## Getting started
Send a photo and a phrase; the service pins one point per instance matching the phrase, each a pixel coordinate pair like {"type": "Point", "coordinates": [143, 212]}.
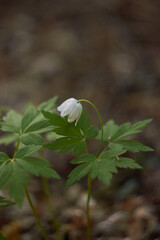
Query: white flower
{"type": "Point", "coordinates": [71, 108]}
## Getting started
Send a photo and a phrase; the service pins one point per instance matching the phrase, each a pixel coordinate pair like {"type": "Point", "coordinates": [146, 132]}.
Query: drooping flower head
{"type": "Point", "coordinates": [72, 108]}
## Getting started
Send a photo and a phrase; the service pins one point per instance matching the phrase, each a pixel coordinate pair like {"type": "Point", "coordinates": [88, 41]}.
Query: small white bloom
{"type": "Point", "coordinates": [71, 108]}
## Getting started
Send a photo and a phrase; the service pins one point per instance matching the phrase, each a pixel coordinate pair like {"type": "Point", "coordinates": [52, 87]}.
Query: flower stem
{"type": "Point", "coordinates": [90, 172]}
{"type": "Point", "coordinates": [35, 215]}
{"type": "Point", "coordinates": [17, 147]}
{"type": "Point", "coordinates": [100, 119]}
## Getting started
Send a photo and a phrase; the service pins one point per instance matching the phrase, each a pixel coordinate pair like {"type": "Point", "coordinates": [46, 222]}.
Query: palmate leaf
{"type": "Point", "coordinates": [101, 168]}
{"type": "Point", "coordinates": [27, 150]}
{"type": "Point", "coordinates": [17, 180]}
{"type": "Point", "coordinates": [79, 148]}
{"type": "Point", "coordinates": [5, 203]}
{"type": "Point", "coordinates": [80, 171]}
{"type": "Point", "coordinates": [37, 166]}
{"type": "Point", "coordinates": [12, 122]}
{"type": "Point", "coordinates": [127, 129]}
{"type": "Point", "coordinates": [3, 157]}
{"type": "Point", "coordinates": [91, 132]}
{"type": "Point", "coordinates": [133, 146]}
{"type": "Point", "coordinates": [14, 173]}
{"type": "Point", "coordinates": [31, 139]}
{"type": "Point", "coordinates": [5, 173]}
{"type": "Point", "coordinates": [28, 116]}
{"type": "Point", "coordinates": [38, 127]}
{"type": "Point", "coordinates": [64, 128]}
{"type": "Point", "coordinates": [15, 177]}
{"type": "Point", "coordinates": [109, 129]}
{"type": "Point", "coordinates": [123, 162]}
{"type": "Point", "coordinates": [114, 132]}
{"type": "Point", "coordinates": [54, 119]}
{"type": "Point", "coordinates": [66, 144]}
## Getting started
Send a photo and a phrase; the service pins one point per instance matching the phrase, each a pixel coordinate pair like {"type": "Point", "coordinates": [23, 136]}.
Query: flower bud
{"type": "Point", "coordinates": [72, 108]}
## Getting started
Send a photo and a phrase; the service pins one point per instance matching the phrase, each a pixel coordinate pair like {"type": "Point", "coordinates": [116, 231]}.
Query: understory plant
{"type": "Point", "coordinates": [71, 130]}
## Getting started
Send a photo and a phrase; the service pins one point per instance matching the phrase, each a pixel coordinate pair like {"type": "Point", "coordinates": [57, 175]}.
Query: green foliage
{"type": "Point", "coordinates": [124, 162]}
{"type": "Point", "coordinates": [71, 136]}
{"type": "Point", "coordinates": [113, 132]}
{"type": "Point", "coordinates": [28, 117]}
{"type": "Point", "coordinates": [109, 129]}
{"type": "Point", "coordinates": [91, 132]}
{"type": "Point", "coordinates": [14, 172]}
{"type": "Point", "coordinates": [26, 130]}
{"type": "Point", "coordinates": [31, 139]}
{"type": "Point", "coordinates": [3, 157]}
{"type": "Point", "coordinates": [8, 138]}
{"type": "Point", "coordinates": [131, 146]}
{"type": "Point", "coordinates": [27, 150]}
{"type": "Point", "coordinates": [80, 171]}
{"type": "Point", "coordinates": [17, 180]}
{"type": "Point", "coordinates": [11, 122]}
{"type": "Point", "coordinates": [65, 144]}
{"type": "Point", "coordinates": [37, 166]}
{"type": "Point", "coordinates": [101, 167]}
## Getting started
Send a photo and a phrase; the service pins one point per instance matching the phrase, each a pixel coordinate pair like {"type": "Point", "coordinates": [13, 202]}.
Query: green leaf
{"type": "Point", "coordinates": [28, 117]}
{"type": "Point", "coordinates": [105, 177]}
{"type": "Point", "coordinates": [4, 157]}
{"type": "Point", "coordinates": [115, 146]}
{"type": "Point", "coordinates": [38, 127]}
{"type": "Point", "coordinates": [8, 138]}
{"type": "Point", "coordinates": [37, 166]}
{"type": "Point", "coordinates": [31, 139]}
{"type": "Point", "coordinates": [63, 144]}
{"type": "Point", "coordinates": [79, 148]}
{"type": "Point", "coordinates": [122, 131]}
{"type": "Point", "coordinates": [49, 173]}
{"type": "Point", "coordinates": [111, 153]}
{"type": "Point", "coordinates": [91, 132]}
{"type": "Point", "coordinates": [79, 172]}
{"type": "Point", "coordinates": [48, 105]}
{"type": "Point", "coordinates": [141, 124]}
{"type": "Point", "coordinates": [54, 119]}
{"type": "Point", "coordinates": [5, 203]}
{"type": "Point", "coordinates": [123, 162]}
{"type": "Point", "coordinates": [18, 179]}
{"type": "Point", "coordinates": [70, 130]}
{"type": "Point", "coordinates": [109, 130]}
{"type": "Point", "coordinates": [102, 168]}
{"type": "Point", "coordinates": [84, 121]}
{"type": "Point", "coordinates": [5, 173]}
{"type": "Point", "coordinates": [12, 122]}
{"type": "Point", "coordinates": [84, 158]}
{"type": "Point", "coordinates": [127, 129]}
{"type": "Point", "coordinates": [134, 146]}
{"type": "Point", "coordinates": [26, 151]}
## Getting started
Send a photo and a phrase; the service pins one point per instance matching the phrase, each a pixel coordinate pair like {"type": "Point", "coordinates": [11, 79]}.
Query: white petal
{"type": "Point", "coordinates": [63, 105]}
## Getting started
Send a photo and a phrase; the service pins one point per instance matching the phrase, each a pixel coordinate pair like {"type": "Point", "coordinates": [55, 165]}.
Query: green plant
{"type": "Point", "coordinates": [72, 131]}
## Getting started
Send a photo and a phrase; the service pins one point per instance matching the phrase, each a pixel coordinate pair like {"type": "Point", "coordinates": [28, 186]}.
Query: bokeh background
{"type": "Point", "coordinates": [106, 51]}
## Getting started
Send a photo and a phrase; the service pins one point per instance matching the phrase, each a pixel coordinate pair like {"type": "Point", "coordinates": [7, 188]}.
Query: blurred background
{"type": "Point", "coordinates": [106, 51]}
